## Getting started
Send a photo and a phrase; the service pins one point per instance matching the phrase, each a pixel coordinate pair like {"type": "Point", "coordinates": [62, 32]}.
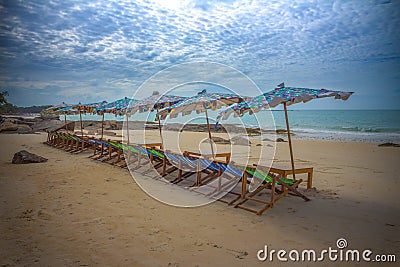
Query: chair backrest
{"type": "Point", "coordinates": [265, 176]}
{"type": "Point", "coordinates": [178, 158]}
{"type": "Point", "coordinates": [156, 153]}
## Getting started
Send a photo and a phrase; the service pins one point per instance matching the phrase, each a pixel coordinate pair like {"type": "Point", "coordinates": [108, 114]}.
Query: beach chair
{"type": "Point", "coordinates": [79, 144]}
{"type": "Point", "coordinates": [106, 150]}
{"type": "Point", "coordinates": [49, 140]}
{"type": "Point", "coordinates": [61, 141]}
{"type": "Point", "coordinates": [184, 166]}
{"type": "Point", "coordinates": [71, 143]}
{"type": "Point", "coordinates": [141, 156]}
{"type": "Point", "coordinates": [55, 139]}
{"type": "Point", "coordinates": [98, 146]}
{"type": "Point", "coordinates": [222, 178]}
{"type": "Point", "coordinates": [270, 182]}
{"type": "Point", "coordinates": [113, 150]}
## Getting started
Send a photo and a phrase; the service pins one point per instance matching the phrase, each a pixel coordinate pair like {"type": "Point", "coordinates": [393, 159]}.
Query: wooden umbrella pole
{"type": "Point", "coordinates": [289, 140]}
{"type": "Point", "coordinates": [102, 126]}
{"type": "Point", "coordinates": [209, 134]}
{"type": "Point", "coordinates": [127, 128]}
{"type": "Point", "coordinates": [80, 117]}
{"type": "Point", "coordinates": [160, 129]}
{"type": "Point", "coordinates": [65, 121]}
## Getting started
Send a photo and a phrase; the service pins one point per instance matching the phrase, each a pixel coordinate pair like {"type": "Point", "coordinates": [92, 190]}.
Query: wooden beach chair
{"type": "Point", "coordinates": [106, 150]}
{"type": "Point", "coordinates": [98, 146]}
{"type": "Point", "coordinates": [277, 186]}
{"type": "Point", "coordinates": [139, 157]}
{"type": "Point", "coordinates": [183, 167]}
{"type": "Point", "coordinates": [80, 144]}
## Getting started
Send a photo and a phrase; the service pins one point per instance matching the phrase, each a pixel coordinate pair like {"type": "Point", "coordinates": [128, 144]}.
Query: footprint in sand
{"type": "Point", "coordinates": [161, 247]}
{"type": "Point", "coordinates": [27, 214]}
{"type": "Point", "coordinates": [43, 215]}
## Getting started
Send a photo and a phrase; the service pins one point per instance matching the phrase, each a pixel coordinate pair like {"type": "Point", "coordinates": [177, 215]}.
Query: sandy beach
{"type": "Point", "coordinates": [74, 211]}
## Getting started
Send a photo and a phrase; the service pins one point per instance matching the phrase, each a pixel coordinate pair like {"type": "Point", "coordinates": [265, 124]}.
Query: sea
{"type": "Point", "coordinates": [336, 125]}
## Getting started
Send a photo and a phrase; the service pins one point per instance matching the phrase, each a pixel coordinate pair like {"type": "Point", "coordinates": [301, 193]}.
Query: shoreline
{"type": "Point", "coordinates": [234, 128]}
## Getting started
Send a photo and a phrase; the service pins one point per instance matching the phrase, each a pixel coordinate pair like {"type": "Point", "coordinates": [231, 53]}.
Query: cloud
{"type": "Point", "coordinates": [116, 45]}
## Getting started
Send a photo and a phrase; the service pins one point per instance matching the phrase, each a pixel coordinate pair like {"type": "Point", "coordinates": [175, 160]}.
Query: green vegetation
{"type": "Point", "coordinates": [7, 108]}
{"type": "Point", "coordinates": [3, 99]}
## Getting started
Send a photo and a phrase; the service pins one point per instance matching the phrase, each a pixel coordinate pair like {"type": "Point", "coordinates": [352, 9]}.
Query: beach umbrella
{"type": "Point", "coordinates": [155, 102]}
{"type": "Point", "coordinates": [200, 103]}
{"type": "Point", "coordinates": [92, 109]}
{"type": "Point", "coordinates": [59, 109]}
{"type": "Point", "coordinates": [118, 108]}
{"type": "Point", "coordinates": [282, 95]}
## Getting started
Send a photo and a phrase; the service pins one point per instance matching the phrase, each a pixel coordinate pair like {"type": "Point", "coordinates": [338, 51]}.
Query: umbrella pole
{"type": "Point", "coordinates": [209, 134]}
{"type": "Point", "coordinates": [80, 117]}
{"type": "Point", "coordinates": [289, 140]}
{"type": "Point", "coordinates": [127, 128]}
{"type": "Point", "coordinates": [102, 126]}
{"type": "Point", "coordinates": [160, 129]}
{"type": "Point", "coordinates": [65, 121]}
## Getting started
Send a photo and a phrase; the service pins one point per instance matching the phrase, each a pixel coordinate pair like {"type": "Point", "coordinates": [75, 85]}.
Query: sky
{"type": "Point", "coordinates": [88, 51]}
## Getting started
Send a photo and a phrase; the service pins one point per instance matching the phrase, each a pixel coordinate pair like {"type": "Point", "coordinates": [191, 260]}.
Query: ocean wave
{"type": "Point", "coordinates": [367, 130]}
{"type": "Point", "coordinates": [348, 130]}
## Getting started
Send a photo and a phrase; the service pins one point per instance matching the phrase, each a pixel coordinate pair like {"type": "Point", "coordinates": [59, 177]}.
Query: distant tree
{"type": "Point", "coordinates": [3, 99]}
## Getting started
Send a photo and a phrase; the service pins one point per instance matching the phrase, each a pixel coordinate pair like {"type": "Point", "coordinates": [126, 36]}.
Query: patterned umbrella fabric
{"type": "Point", "coordinates": [288, 95]}
{"type": "Point", "coordinates": [117, 107]}
{"type": "Point", "coordinates": [91, 108]}
{"type": "Point", "coordinates": [200, 103]}
{"type": "Point", "coordinates": [155, 102]}
{"type": "Point", "coordinates": [59, 109]}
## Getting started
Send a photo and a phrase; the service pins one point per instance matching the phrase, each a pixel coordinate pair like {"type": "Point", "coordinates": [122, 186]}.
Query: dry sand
{"type": "Point", "coordinates": [75, 211]}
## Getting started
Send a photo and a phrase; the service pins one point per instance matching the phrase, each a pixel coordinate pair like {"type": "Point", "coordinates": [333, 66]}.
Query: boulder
{"type": "Point", "coordinates": [268, 139]}
{"type": "Point", "coordinates": [24, 157]}
{"type": "Point", "coordinates": [267, 145]}
{"type": "Point", "coordinates": [280, 140]}
{"type": "Point", "coordinates": [389, 145]}
{"type": "Point", "coordinates": [253, 131]}
{"type": "Point", "coordinates": [240, 140]}
{"type": "Point", "coordinates": [50, 125]}
{"type": "Point", "coordinates": [24, 129]}
{"type": "Point", "coordinates": [219, 140]}
{"type": "Point", "coordinates": [8, 126]}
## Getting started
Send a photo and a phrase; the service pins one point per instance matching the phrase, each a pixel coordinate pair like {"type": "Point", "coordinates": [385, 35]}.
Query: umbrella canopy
{"type": "Point", "coordinates": [91, 107]}
{"type": "Point", "coordinates": [286, 96]}
{"type": "Point", "coordinates": [280, 95]}
{"type": "Point", "coordinates": [117, 107]}
{"type": "Point", "coordinates": [155, 102]}
{"type": "Point", "coordinates": [200, 103]}
{"type": "Point", "coordinates": [59, 109]}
